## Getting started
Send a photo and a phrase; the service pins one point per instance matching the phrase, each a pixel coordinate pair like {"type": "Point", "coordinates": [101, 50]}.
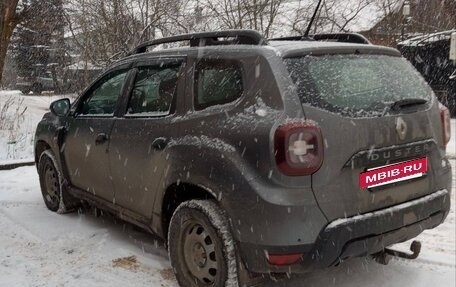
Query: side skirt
{"type": "Point", "coordinates": [120, 212]}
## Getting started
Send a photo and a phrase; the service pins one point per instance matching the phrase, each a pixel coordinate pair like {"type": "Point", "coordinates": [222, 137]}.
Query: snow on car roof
{"type": "Point", "coordinates": [289, 48]}
{"type": "Point", "coordinates": [428, 38]}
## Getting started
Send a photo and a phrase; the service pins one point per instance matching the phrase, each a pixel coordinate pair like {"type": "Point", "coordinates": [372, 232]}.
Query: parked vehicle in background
{"type": "Point", "coordinates": [252, 156]}
{"type": "Point", "coordinates": [430, 54]}
{"type": "Point", "coordinates": [38, 83]}
{"type": "Point", "coordinates": [70, 81]}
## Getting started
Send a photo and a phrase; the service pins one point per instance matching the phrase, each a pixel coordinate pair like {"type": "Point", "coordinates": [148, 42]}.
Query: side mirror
{"type": "Point", "coordinates": [60, 107]}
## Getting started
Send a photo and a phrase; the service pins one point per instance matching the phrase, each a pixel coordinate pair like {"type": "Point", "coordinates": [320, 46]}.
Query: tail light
{"type": "Point", "coordinates": [446, 126]}
{"type": "Point", "coordinates": [298, 148]}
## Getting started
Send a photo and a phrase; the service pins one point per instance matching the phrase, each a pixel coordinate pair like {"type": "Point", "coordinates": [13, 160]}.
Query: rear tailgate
{"type": "Point", "coordinates": [356, 100]}
{"type": "Point", "coordinates": [355, 145]}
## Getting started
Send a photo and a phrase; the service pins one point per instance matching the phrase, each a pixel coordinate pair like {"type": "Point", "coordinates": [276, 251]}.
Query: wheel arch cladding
{"type": "Point", "coordinates": [40, 147]}
{"type": "Point", "coordinates": [178, 193]}
{"type": "Point", "coordinates": [193, 176]}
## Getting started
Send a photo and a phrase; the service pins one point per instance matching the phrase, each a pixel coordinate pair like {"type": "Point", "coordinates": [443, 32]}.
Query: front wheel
{"type": "Point", "coordinates": [55, 196]}
{"type": "Point", "coordinates": [201, 246]}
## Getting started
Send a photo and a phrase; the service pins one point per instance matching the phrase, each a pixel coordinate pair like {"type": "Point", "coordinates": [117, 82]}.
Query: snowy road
{"type": "Point", "coordinates": [41, 248]}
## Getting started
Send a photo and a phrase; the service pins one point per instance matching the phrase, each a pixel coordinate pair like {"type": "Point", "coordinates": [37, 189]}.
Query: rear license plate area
{"type": "Point", "coordinates": [392, 173]}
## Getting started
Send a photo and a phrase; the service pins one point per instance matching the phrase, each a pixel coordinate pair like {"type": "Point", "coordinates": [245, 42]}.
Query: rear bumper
{"type": "Point", "coordinates": [356, 236]}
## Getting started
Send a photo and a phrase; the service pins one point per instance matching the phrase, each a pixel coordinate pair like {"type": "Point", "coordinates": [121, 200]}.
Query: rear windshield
{"type": "Point", "coordinates": [356, 85]}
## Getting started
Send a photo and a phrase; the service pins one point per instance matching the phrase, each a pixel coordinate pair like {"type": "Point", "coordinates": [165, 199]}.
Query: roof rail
{"type": "Point", "coordinates": [337, 37]}
{"type": "Point", "coordinates": [342, 37]}
{"type": "Point", "coordinates": [240, 37]}
{"type": "Point", "coordinates": [293, 38]}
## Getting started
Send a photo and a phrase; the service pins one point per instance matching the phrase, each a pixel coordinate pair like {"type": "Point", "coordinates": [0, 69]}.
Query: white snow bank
{"type": "Point", "coordinates": [18, 123]}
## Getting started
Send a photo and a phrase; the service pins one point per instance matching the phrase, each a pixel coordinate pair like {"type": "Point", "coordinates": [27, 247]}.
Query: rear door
{"type": "Point", "coordinates": [139, 139]}
{"type": "Point", "coordinates": [353, 97]}
{"type": "Point", "coordinates": [86, 146]}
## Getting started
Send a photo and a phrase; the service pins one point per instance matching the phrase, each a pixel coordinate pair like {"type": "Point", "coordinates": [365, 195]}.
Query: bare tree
{"type": "Point", "coordinates": [334, 15]}
{"type": "Point", "coordinates": [259, 15]}
{"type": "Point", "coordinates": [104, 30]}
{"type": "Point", "coordinates": [9, 18]}
{"type": "Point", "coordinates": [344, 13]}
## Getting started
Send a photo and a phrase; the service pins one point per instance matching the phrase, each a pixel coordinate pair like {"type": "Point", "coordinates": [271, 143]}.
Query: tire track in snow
{"type": "Point", "coordinates": [9, 223]}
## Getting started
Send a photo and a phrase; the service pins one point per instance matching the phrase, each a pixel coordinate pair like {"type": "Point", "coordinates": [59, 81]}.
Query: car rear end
{"type": "Point", "coordinates": [372, 140]}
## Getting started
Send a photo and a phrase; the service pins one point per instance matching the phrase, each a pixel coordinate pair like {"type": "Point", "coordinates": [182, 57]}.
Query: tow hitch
{"type": "Point", "coordinates": [385, 256]}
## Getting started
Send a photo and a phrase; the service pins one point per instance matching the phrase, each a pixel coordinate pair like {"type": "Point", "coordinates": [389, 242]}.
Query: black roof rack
{"type": "Point", "coordinates": [336, 37]}
{"type": "Point", "coordinates": [239, 37]}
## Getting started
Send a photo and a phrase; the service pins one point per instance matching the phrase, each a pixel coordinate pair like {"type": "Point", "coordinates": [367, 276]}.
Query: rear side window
{"type": "Point", "coordinates": [154, 90]}
{"type": "Point", "coordinates": [356, 85]}
{"type": "Point", "coordinates": [217, 82]}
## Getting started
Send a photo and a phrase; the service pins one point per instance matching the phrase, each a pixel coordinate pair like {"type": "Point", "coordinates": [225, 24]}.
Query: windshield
{"type": "Point", "coordinates": [356, 85]}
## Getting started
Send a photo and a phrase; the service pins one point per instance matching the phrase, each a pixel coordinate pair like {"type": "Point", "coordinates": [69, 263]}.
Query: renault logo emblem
{"type": "Point", "coordinates": [401, 128]}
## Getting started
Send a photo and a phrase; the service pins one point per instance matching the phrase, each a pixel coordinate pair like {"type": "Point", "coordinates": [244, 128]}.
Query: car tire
{"type": "Point", "coordinates": [25, 92]}
{"type": "Point", "coordinates": [201, 246]}
{"type": "Point", "coordinates": [37, 89]}
{"type": "Point", "coordinates": [55, 196]}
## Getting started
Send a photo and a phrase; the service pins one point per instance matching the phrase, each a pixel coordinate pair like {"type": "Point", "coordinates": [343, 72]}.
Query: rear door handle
{"type": "Point", "coordinates": [159, 143]}
{"type": "Point", "coordinates": [101, 138]}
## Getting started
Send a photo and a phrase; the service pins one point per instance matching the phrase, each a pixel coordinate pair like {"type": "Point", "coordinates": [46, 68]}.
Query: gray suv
{"type": "Point", "coordinates": [253, 156]}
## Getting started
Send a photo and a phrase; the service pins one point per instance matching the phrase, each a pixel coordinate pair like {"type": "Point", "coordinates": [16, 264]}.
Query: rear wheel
{"type": "Point", "coordinates": [201, 246]}
{"type": "Point", "coordinates": [55, 196]}
{"type": "Point", "coordinates": [37, 88]}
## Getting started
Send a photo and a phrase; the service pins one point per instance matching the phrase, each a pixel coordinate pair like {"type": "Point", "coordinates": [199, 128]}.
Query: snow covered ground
{"type": "Point", "coordinates": [40, 248]}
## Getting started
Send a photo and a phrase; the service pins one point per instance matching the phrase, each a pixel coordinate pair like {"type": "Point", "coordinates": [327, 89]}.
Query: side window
{"type": "Point", "coordinates": [103, 98]}
{"type": "Point", "coordinates": [217, 82]}
{"type": "Point", "coordinates": [154, 90]}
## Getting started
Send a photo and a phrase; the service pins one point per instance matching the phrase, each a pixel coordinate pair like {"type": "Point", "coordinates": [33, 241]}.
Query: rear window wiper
{"type": "Point", "coordinates": [406, 103]}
